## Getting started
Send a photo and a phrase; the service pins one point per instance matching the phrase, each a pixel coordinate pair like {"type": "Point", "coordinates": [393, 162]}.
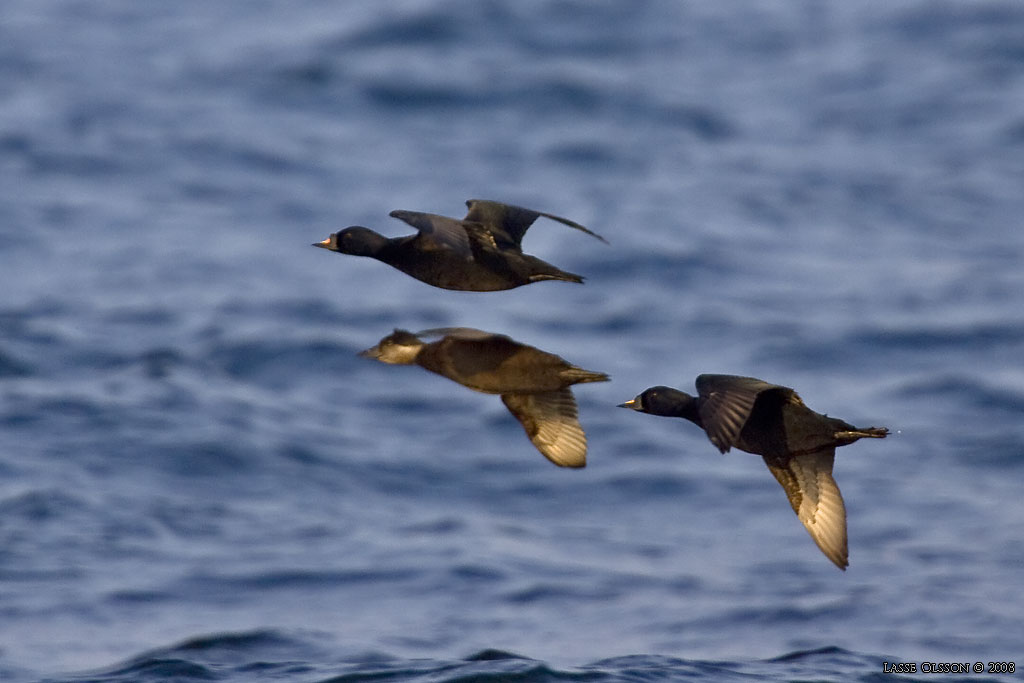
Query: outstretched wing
{"type": "Point", "coordinates": [441, 231]}
{"type": "Point", "coordinates": [726, 402]}
{"type": "Point", "coordinates": [467, 333]}
{"type": "Point", "coordinates": [808, 483]}
{"type": "Point", "coordinates": [513, 221]}
{"type": "Point", "coordinates": [550, 420]}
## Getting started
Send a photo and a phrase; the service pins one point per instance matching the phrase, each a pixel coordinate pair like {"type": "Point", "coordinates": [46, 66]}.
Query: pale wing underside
{"type": "Point", "coordinates": [550, 420]}
{"type": "Point", "coordinates": [814, 496]}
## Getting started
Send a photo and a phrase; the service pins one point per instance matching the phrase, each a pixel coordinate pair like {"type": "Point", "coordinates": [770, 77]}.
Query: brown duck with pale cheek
{"type": "Point", "coordinates": [479, 253]}
{"type": "Point", "coordinates": [769, 420]}
{"type": "Point", "coordinates": [533, 384]}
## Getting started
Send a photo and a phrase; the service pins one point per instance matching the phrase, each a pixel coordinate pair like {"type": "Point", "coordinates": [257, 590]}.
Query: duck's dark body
{"type": "Point", "coordinates": [533, 384]}
{"type": "Point", "coordinates": [500, 365]}
{"type": "Point", "coordinates": [780, 426]}
{"type": "Point", "coordinates": [797, 444]}
{"type": "Point", "coordinates": [488, 270]}
{"type": "Point", "coordinates": [480, 253]}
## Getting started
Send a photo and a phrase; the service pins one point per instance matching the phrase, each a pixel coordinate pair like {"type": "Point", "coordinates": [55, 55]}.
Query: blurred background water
{"type": "Point", "coordinates": [199, 480]}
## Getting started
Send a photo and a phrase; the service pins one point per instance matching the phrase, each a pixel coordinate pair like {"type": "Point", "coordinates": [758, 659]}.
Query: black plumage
{"type": "Point", "coordinates": [481, 252]}
{"type": "Point", "coordinates": [797, 444]}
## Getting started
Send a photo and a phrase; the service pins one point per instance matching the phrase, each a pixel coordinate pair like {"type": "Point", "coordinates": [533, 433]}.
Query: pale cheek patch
{"type": "Point", "coordinates": [398, 354]}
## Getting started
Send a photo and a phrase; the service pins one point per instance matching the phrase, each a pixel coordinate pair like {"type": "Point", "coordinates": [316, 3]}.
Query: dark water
{"type": "Point", "coordinates": [200, 481]}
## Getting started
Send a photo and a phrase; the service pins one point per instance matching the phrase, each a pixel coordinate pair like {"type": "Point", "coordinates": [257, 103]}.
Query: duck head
{"type": "Point", "coordinates": [355, 240]}
{"type": "Point", "coordinates": [398, 348]}
{"type": "Point", "coordinates": [660, 400]}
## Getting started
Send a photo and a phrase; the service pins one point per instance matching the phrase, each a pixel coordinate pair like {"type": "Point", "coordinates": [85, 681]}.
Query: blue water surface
{"type": "Point", "coordinates": [199, 480]}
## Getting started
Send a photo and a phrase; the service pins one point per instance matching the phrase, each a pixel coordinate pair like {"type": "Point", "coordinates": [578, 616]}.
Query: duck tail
{"type": "Point", "coordinates": [868, 433]}
{"type": "Point", "coordinates": [577, 375]}
{"type": "Point", "coordinates": [560, 275]}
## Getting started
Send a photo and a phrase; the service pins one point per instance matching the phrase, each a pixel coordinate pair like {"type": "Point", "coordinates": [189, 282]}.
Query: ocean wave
{"type": "Point", "coordinates": [272, 655]}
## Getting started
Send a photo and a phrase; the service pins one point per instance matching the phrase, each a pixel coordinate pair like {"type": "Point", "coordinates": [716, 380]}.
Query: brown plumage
{"type": "Point", "coordinates": [533, 384]}
{"type": "Point", "coordinates": [797, 444]}
{"type": "Point", "coordinates": [481, 252]}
